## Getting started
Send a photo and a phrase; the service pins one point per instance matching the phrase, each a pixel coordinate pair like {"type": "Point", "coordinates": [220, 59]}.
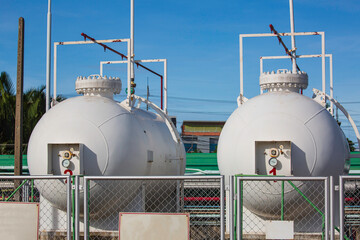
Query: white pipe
{"type": "Point", "coordinates": [55, 69]}
{"type": "Point", "coordinates": [48, 56]}
{"type": "Point", "coordinates": [129, 72]}
{"type": "Point", "coordinates": [91, 42]}
{"type": "Point", "coordinates": [101, 69]}
{"type": "Point", "coordinates": [132, 37]}
{"type": "Point", "coordinates": [331, 84]}
{"type": "Point", "coordinates": [347, 115]}
{"type": "Point", "coordinates": [281, 34]}
{"type": "Point", "coordinates": [261, 71]}
{"type": "Point", "coordinates": [165, 87]}
{"type": "Point", "coordinates": [292, 25]}
{"type": "Point", "coordinates": [241, 69]}
{"type": "Point", "coordinates": [299, 56]}
{"type": "Point", "coordinates": [323, 67]}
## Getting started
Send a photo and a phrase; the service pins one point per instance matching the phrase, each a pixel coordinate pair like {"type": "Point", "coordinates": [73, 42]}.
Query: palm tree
{"type": "Point", "coordinates": [33, 109]}
{"type": "Point", "coordinates": [7, 109]}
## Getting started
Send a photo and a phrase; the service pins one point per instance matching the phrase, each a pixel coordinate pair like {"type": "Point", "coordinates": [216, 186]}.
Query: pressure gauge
{"type": "Point", "coordinates": [273, 162]}
{"type": "Point", "coordinates": [65, 163]}
{"type": "Point", "coordinates": [67, 155]}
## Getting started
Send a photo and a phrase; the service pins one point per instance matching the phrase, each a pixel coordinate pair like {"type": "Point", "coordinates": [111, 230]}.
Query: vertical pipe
{"type": "Point", "coordinates": [129, 72]}
{"type": "Point", "coordinates": [132, 38]}
{"type": "Point", "coordinates": [331, 84]}
{"type": "Point", "coordinates": [161, 93]}
{"type": "Point", "coordinates": [241, 69]}
{"type": "Point", "coordinates": [77, 206]}
{"type": "Point", "coordinates": [231, 207]}
{"type": "Point", "coordinates": [165, 87]}
{"type": "Point", "coordinates": [326, 193]}
{"type": "Point", "coordinates": [55, 69]}
{"type": "Point", "coordinates": [341, 207]}
{"type": "Point", "coordinates": [222, 210]}
{"type": "Point", "coordinates": [101, 69]}
{"type": "Point", "coordinates": [48, 56]}
{"type": "Point", "coordinates": [331, 208]}
{"type": "Point", "coordinates": [19, 104]}
{"type": "Point", "coordinates": [261, 71]}
{"type": "Point", "coordinates": [292, 25]}
{"type": "Point", "coordinates": [323, 66]}
{"type": "Point", "coordinates": [86, 228]}
{"type": "Point", "coordinates": [68, 206]}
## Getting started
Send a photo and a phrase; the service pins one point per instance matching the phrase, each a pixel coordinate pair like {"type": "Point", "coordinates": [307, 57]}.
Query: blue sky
{"type": "Point", "coordinates": [200, 41]}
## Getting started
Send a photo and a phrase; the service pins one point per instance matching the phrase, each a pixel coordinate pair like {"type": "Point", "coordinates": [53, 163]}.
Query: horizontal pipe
{"type": "Point", "coordinates": [34, 177]}
{"type": "Point", "coordinates": [281, 34]}
{"type": "Point", "coordinates": [298, 56]}
{"type": "Point", "coordinates": [151, 177]}
{"type": "Point", "coordinates": [281, 178]}
{"type": "Point", "coordinates": [88, 42]}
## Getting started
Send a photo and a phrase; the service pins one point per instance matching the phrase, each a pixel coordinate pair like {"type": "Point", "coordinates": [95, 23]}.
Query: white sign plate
{"type": "Point", "coordinates": [154, 226]}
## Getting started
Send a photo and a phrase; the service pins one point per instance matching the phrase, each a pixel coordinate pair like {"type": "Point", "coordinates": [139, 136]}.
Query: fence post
{"type": "Point", "coordinates": [77, 206]}
{"type": "Point", "coordinates": [239, 213]}
{"type": "Point", "coordinates": [86, 209]}
{"type": "Point", "coordinates": [331, 208]}
{"type": "Point", "coordinates": [231, 207]}
{"type": "Point", "coordinates": [222, 210]}
{"type": "Point", "coordinates": [68, 206]}
{"type": "Point", "coordinates": [341, 203]}
{"type": "Point", "coordinates": [326, 183]}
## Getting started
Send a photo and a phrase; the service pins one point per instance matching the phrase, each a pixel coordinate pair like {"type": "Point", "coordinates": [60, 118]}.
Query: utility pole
{"type": "Point", "coordinates": [19, 106]}
{"type": "Point", "coordinates": [19, 100]}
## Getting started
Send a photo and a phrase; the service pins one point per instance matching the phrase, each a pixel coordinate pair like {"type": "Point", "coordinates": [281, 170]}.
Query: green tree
{"type": "Point", "coordinates": [7, 109]}
{"type": "Point", "coordinates": [33, 109]}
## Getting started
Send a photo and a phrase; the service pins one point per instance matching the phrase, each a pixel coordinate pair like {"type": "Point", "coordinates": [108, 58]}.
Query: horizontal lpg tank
{"type": "Point", "coordinates": [94, 135]}
{"type": "Point", "coordinates": [285, 133]}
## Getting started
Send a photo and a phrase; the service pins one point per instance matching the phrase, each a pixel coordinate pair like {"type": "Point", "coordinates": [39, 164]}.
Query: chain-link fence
{"type": "Point", "coordinates": [349, 188]}
{"type": "Point", "coordinates": [52, 195]}
{"type": "Point", "coordinates": [261, 201]}
{"type": "Point", "coordinates": [106, 197]}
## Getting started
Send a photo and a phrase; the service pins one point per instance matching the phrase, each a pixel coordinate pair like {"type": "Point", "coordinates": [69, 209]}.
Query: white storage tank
{"type": "Point", "coordinates": [94, 135]}
{"type": "Point", "coordinates": [281, 132]}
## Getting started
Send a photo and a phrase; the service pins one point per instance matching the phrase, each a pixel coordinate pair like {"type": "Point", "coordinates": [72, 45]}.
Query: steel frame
{"type": "Point", "coordinates": [127, 40]}
{"type": "Point", "coordinates": [241, 36]}
{"type": "Point", "coordinates": [163, 87]}
{"type": "Point", "coordinates": [308, 56]}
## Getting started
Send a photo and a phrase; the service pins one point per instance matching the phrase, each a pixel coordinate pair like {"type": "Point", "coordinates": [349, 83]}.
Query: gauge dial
{"type": "Point", "coordinates": [273, 162]}
{"type": "Point", "coordinates": [65, 163]}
